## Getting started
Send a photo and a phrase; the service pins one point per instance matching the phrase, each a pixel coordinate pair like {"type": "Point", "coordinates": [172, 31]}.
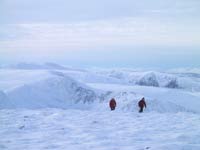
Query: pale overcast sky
{"type": "Point", "coordinates": [102, 33]}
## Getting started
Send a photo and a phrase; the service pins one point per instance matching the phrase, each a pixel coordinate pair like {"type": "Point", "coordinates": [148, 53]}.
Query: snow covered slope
{"type": "Point", "coordinates": [187, 81]}
{"type": "Point", "coordinates": [58, 129]}
{"type": "Point", "coordinates": [4, 101]}
{"type": "Point", "coordinates": [34, 89]}
{"type": "Point", "coordinates": [158, 99]}
{"type": "Point", "coordinates": [59, 109]}
{"type": "Point", "coordinates": [92, 89]}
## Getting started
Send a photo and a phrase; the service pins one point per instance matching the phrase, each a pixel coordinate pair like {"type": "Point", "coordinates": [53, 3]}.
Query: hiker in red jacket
{"type": "Point", "coordinates": [142, 104]}
{"type": "Point", "coordinates": [112, 104]}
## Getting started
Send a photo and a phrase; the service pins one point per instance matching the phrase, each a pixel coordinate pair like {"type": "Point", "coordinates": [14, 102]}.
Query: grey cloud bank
{"type": "Point", "coordinates": [23, 11]}
{"type": "Point", "coordinates": [101, 33]}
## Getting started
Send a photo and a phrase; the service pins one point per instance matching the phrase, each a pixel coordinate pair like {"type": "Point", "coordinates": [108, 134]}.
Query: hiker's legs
{"type": "Point", "coordinates": [141, 109]}
{"type": "Point", "coordinates": [112, 108]}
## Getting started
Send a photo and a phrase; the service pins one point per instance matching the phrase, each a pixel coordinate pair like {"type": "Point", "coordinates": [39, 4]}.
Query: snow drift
{"type": "Point", "coordinates": [57, 90]}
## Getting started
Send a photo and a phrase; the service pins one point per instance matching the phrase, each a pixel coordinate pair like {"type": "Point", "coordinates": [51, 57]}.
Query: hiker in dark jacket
{"type": "Point", "coordinates": [142, 104]}
{"type": "Point", "coordinates": [112, 104]}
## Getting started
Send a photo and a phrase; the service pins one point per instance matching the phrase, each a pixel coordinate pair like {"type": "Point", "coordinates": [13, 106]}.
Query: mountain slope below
{"type": "Point", "coordinates": [56, 90]}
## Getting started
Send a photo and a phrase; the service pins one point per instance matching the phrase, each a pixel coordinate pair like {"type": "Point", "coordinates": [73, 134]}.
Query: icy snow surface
{"type": "Point", "coordinates": [56, 129]}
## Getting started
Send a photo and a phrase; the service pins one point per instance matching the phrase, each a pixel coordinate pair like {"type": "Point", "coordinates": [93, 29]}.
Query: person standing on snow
{"type": "Point", "coordinates": [112, 104]}
{"type": "Point", "coordinates": [142, 104]}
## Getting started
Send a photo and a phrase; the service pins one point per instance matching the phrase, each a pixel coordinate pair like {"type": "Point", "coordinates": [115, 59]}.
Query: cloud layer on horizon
{"type": "Point", "coordinates": [48, 29]}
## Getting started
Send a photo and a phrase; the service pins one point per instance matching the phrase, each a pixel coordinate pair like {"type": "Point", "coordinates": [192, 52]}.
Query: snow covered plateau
{"type": "Point", "coordinates": [54, 107]}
